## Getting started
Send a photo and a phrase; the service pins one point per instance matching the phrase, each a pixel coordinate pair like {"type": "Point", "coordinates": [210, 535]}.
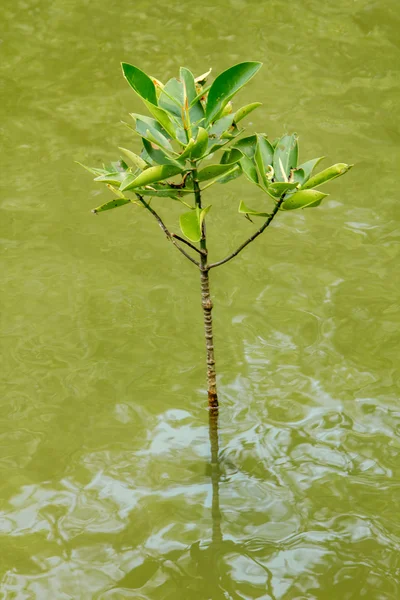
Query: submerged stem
{"type": "Point", "coordinates": [215, 475]}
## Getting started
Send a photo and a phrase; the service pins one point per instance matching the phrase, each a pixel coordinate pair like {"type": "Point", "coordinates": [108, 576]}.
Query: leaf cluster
{"type": "Point", "coordinates": [189, 122]}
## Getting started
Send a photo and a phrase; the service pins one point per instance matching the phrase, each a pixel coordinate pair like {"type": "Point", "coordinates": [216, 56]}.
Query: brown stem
{"type": "Point", "coordinates": [251, 238]}
{"type": "Point", "coordinates": [181, 239]}
{"type": "Point", "coordinates": [206, 303]}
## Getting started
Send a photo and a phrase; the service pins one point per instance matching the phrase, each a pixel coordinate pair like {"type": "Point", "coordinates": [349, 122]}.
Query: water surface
{"type": "Point", "coordinates": [105, 481]}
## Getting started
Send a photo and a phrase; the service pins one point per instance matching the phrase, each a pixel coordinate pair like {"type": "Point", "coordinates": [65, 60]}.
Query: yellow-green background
{"type": "Point", "coordinates": [104, 486]}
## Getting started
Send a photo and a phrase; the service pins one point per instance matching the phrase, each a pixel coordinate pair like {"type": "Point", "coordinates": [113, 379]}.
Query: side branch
{"type": "Point", "coordinates": [181, 239]}
{"type": "Point", "coordinates": [251, 238]}
{"type": "Point", "coordinates": [166, 230]}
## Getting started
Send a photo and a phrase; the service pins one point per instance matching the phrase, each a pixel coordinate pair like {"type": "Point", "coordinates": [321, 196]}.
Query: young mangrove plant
{"type": "Point", "coordinates": [190, 123]}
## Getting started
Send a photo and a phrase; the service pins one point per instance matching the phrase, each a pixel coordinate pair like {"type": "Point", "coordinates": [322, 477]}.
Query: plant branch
{"type": "Point", "coordinates": [251, 238]}
{"type": "Point", "coordinates": [181, 239]}
{"type": "Point", "coordinates": [166, 230]}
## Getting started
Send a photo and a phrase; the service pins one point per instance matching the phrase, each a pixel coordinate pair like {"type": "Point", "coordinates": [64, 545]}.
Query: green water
{"type": "Point", "coordinates": [105, 483]}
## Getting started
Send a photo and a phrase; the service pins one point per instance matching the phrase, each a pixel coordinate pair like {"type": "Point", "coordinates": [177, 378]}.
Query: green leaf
{"type": "Point", "coordinates": [111, 204]}
{"type": "Point", "coordinates": [151, 175]}
{"type": "Point", "coordinates": [188, 150]}
{"type": "Point", "coordinates": [135, 159]}
{"type": "Point", "coordinates": [327, 175]}
{"type": "Point", "coordinates": [247, 145]}
{"type": "Point", "coordinates": [115, 178]}
{"type": "Point", "coordinates": [307, 168]}
{"type": "Point", "coordinates": [201, 144]}
{"type": "Point", "coordinates": [191, 223]}
{"type": "Point", "coordinates": [285, 157]}
{"type": "Point", "coordinates": [249, 211]}
{"type": "Point", "coordinates": [263, 157]}
{"type": "Point", "coordinates": [249, 169]}
{"type": "Point", "coordinates": [279, 188]}
{"type": "Point", "coordinates": [147, 124]}
{"type": "Point", "coordinates": [140, 82]}
{"type": "Point", "coordinates": [245, 110]}
{"type": "Point", "coordinates": [160, 191]}
{"type": "Point", "coordinates": [171, 97]}
{"type": "Point", "coordinates": [233, 155]}
{"type": "Point", "coordinates": [92, 170]}
{"type": "Point", "coordinates": [213, 171]}
{"type": "Point", "coordinates": [303, 199]}
{"type": "Point", "coordinates": [189, 84]}
{"type": "Point", "coordinates": [162, 117]}
{"type": "Point", "coordinates": [226, 85]}
{"type": "Point", "coordinates": [298, 175]}
{"type": "Point", "coordinates": [220, 126]}
{"type": "Point", "coordinates": [233, 174]}
{"type": "Point", "coordinates": [157, 155]}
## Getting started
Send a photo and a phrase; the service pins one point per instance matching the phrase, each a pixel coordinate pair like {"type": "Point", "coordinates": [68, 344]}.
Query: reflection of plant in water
{"type": "Point", "coordinates": [190, 121]}
{"type": "Point", "coordinates": [205, 569]}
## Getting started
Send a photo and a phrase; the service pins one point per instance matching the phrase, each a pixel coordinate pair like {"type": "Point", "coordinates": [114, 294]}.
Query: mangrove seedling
{"type": "Point", "coordinates": [189, 123]}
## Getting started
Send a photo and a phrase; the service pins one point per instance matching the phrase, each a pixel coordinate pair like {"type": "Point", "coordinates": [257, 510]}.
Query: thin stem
{"type": "Point", "coordinates": [251, 238]}
{"type": "Point", "coordinates": [181, 239]}
{"type": "Point", "coordinates": [165, 230]}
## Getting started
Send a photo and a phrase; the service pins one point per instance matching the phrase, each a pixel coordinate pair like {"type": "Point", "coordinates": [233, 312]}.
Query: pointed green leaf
{"type": "Point", "coordinates": [157, 155]}
{"type": "Point", "coordinates": [112, 178]}
{"type": "Point", "coordinates": [140, 82]}
{"type": "Point", "coordinates": [279, 188]}
{"type": "Point", "coordinates": [263, 157]}
{"type": "Point", "coordinates": [171, 97]}
{"type": "Point", "coordinates": [162, 117]}
{"type": "Point", "coordinates": [285, 157]}
{"type": "Point", "coordinates": [213, 171]}
{"type": "Point", "coordinates": [226, 85]}
{"type": "Point", "coordinates": [327, 175]}
{"type": "Point", "coordinates": [303, 199]}
{"type": "Point", "coordinates": [147, 124]}
{"type": "Point", "coordinates": [245, 110]}
{"type": "Point", "coordinates": [196, 111]}
{"type": "Point", "coordinates": [155, 138]}
{"type": "Point", "coordinates": [201, 144]}
{"type": "Point", "coordinates": [111, 204]}
{"type": "Point", "coordinates": [307, 168]}
{"type": "Point", "coordinates": [92, 170]}
{"type": "Point", "coordinates": [249, 211]}
{"type": "Point", "coordinates": [151, 175]}
{"type": "Point", "coordinates": [135, 159]}
{"type": "Point", "coordinates": [189, 84]}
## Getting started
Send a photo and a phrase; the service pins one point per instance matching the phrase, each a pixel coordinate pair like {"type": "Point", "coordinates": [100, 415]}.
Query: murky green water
{"type": "Point", "coordinates": [104, 453]}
